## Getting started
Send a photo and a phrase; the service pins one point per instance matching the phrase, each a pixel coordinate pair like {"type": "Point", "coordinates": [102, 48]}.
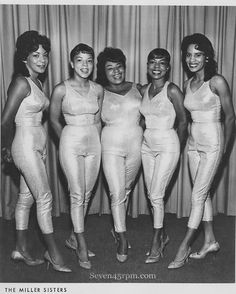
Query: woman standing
{"type": "Point", "coordinates": [79, 99]}
{"type": "Point", "coordinates": [121, 137]}
{"type": "Point", "coordinates": [162, 107]}
{"type": "Point", "coordinates": [207, 96]}
{"type": "Point", "coordinates": [25, 105]}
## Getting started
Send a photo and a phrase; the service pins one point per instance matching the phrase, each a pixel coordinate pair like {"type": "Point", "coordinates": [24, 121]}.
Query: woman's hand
{"type": "Point", "coordinates": [6, 155]}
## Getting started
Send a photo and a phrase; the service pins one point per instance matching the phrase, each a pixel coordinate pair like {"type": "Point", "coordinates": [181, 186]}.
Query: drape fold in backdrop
{"type": "Point", "coordinates": [136, 30]}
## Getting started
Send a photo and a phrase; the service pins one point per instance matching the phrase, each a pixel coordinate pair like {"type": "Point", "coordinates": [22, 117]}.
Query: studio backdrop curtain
{"type": "Point", "coordinates": [136, 30]}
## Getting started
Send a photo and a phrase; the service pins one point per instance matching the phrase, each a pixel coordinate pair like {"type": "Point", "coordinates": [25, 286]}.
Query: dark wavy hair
{"type": "Point", "coordinates": [202, 43]}
{"type": "Point", "coordinates": [83, 48]}
{"type": "Point", "coordinates": [108, 54]}
{"type": "Point", "coordinates": [159, 53]}
{"type": "Point", "coordinates": [27, 43]}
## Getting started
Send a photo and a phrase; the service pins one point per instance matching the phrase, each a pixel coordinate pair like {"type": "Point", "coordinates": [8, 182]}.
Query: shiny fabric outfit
{"type": "Point", "coordinates": [205, 148]}
{"type": "Point", "coordinates": [80, 149]}
{"type": "Point", "coordinates": [121, 148]}
{"type": "Point", "coordinates": [29, 154]}
{"type": "Point", "coordinates": [160, 149]}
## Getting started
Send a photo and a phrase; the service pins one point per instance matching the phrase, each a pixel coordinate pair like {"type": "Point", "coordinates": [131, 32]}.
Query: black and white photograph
{"type": "Point", "coordinates": [118, 152]}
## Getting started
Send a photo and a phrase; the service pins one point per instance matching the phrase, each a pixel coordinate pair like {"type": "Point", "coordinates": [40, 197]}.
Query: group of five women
{"type": "Point", "coordinates": [122, 125]}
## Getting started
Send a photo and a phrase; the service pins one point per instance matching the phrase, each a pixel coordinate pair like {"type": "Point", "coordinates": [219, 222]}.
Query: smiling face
{"type": "Point", "coordinates": [115, 72]}
{"type": "Point", "coordinates": [83, 64]}
{"type": "Point", "coordinates": [157, 67]}
{"type": "Point", "coordinates": [37, 61]}
{"type": "Point", "coordinates": [195, 59]}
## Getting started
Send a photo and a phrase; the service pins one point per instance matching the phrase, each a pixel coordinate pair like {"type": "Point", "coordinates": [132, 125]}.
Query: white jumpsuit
{"type": "Point", "coordinates": [205, 148]}
{"type": "Point", "coordinates": [160, 149]}
{"type": "Point", "coordinates": [29, 154]}
{"type": "Point", "coordinates": [121, 148]}
{"type": "Point", "coordinates": [80, 149]}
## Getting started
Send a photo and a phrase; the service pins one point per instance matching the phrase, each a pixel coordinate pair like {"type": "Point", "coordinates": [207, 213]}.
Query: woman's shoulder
{"type": "Point", "coordinates": [217, 83]}
{"type": "Point", "coordinates": [172, 87]}
{"type": "Point", "coordinates": [20, 85]}
{"type": "Point", "coordinates": [217, 80]}
{"type": "Point", "coordinates": [60, 89]}
{"type": "Point", "coordinates": [96, 86]}
{"type": "Point", "coordinates": [20, 80]}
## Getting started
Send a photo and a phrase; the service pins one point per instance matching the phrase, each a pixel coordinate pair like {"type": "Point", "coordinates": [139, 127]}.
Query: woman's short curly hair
{"type": "Point", "coordinates": [202, 43]}
{"type": "Point", "coordinates": [27, 43]}
{"type": "Point", "coordinates": [108, 54]}
{"type": "Point", "coordinates": [159, 53]}
{"type": "Point", "coordinates": [81, 47]}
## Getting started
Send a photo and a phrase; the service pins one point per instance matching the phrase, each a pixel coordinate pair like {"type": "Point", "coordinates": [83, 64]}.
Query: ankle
{"type": "Point", "coordinates": [122, 247]}
{"type": "Point", "coordinates": [82, 254]}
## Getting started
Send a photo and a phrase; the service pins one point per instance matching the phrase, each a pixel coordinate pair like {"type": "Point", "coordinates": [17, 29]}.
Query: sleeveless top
{"type": "Point", "coordinates": [31, 108]}
{"type": "Point", "coordinates": [203, 104]}
{"type": "Point", "coordinates": [159, 112]}
{"type": "Point", "coordinates": [121, 110]}
{"type": "Point", "coordinates": [80, 109]}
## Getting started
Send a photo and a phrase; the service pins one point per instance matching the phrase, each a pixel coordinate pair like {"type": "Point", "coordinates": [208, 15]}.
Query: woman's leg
{"type": "Point", "coordinates": [32, 166]}
{"type": "Point", "coordinates": [114, 170]}
{"type": "Point", "coordinates": [205, 174]}
{"type": "Point", "coordinates": [22, 211]}
{"type": "Point", "coordinates": [74, 168]}
{"type": "Point", "coordinates": [133, 162]}
{"type": "Point", "coordinates": [91, 170]}
{"type": "Point", "coordinates": [203, 167]}
{"type": "Point", "coordinates": [92, 167]}
{"type": "Point", "coordinates": [194, 162]}
{"type": "Point", "coordinates": [158, 170]}
{"type": "Point", "coordinates": [207, 221]}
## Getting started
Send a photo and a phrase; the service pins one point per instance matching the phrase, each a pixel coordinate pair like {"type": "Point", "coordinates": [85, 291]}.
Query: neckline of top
{"type": "Point", "coordinates": [122, 95]}
{"type": "Point", "coordinates": [150, 99]}
{"type": "Point", "coordinates": [193, 92]}
{"type": "Point", "coordinates": [33, 82]}
{"type": "Point", "coordinates": [67, 82]}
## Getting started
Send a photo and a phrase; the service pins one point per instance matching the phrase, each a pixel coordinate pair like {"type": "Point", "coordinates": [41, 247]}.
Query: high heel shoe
{"type": "Point", "coordinates": [116, 237]}
{"type": "Point", "coordinates": [179, 263]}
{"type": "Point", "coordinates": [55, 266]}
{"type": "Point", "coordinates": [18, 256]}
{"type": "Point", "coordinates": [163, 244]}
{"type": "Point", "coordinates": [162, 247]}
{"type": "Point", "coordinates": [122, 257]}
{"type": "Point", "coordinates": [153, 258]}
{"type": "Point", "coordinates": [84, 264]}
{"type": "Point", "coordinates": [212, 248]}
{"type": "Point", "coordinates": [69, 243]}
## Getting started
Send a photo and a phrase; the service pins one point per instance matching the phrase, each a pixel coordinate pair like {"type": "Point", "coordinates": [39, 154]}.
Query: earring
{"type": "Point", "coordinates": [207, 59]}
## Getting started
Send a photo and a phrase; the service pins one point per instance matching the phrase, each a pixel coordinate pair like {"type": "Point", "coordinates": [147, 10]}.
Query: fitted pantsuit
{"type": "Point", "coordinates": [160, 149]}
{"type": "Point", "coordinates": [80, 149]}
{"type": "Point", "coordinates": [205, 149]}
{"type": "Point", "coordinates": [121, 149]}
{"type": "Point", "coordinates": [29, 154]}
